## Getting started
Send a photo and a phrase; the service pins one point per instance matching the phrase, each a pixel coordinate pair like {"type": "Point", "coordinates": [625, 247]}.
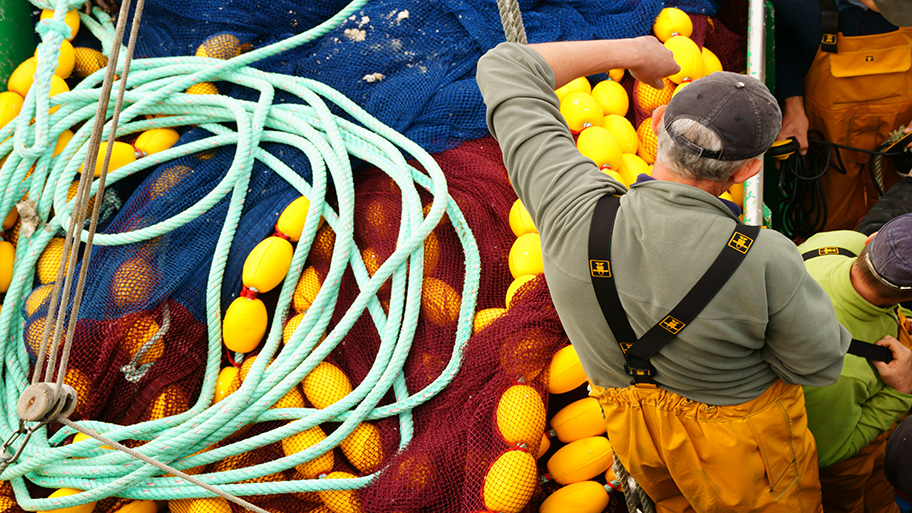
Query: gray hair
{"type": "Point", "coordinates": [676, 158]}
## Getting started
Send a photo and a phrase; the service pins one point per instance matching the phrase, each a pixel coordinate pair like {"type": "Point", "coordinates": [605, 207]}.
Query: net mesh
{"type": "Point", "coordinates": [142, 349]}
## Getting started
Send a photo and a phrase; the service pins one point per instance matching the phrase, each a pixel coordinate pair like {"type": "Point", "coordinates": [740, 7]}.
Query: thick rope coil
{"type": "Point", "coordinates": [330, 143]}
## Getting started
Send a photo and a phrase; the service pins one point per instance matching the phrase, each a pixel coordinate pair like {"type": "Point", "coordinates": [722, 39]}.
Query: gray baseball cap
{"type": "Point", "coordinates": [890, 253]}
{"type": "Point", "coordinates": [738, 108]}
{"type": "Point", "coordinates": [897, 12]}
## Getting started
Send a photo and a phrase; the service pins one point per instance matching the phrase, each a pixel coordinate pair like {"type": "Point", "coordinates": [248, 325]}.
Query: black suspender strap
{"type": "Point", "coordinates": [856, 347]}
{"type": "Point", "coordinates": [638, 351]}
{"type": "Point", "coordinates": [870, 351]}
{"type": "Point", "coordinates": [829, 21]}
{"type": "Point", "coordinates": [832, 250]}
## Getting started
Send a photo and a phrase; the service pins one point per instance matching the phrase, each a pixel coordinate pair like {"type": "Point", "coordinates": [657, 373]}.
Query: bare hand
{"type": "Point", "coordinates": [898, 373]}
{"type": "Point", "coordinates": [654, 62]}
{"type": "Point", "coordinates": [795, 123]}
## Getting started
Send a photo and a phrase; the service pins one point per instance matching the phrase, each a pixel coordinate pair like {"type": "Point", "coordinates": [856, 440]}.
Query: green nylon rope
{"type": "Point", "coordinates": [329, 142]}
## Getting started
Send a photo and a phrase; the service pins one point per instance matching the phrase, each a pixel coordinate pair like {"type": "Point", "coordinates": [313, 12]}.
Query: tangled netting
{"type": "Point", "coordinates": [340, 103]}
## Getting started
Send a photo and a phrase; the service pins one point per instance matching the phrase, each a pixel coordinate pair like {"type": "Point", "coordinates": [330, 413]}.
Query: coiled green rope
{"type": "Point", "coordinates": [329, 142]}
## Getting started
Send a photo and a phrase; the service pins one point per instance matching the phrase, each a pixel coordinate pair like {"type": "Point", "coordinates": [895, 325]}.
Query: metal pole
{"type": "Point", "coordinates": [756, 67]}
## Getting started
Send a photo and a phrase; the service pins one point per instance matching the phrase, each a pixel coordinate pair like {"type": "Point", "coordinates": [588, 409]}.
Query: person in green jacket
{"type": "Point", "coordinates": [851, 418]}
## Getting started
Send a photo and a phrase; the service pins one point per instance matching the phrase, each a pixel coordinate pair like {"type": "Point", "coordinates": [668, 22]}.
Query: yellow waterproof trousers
{"type": "Point", "coordinates": [858, 484]}
{"type": "Point", "coordinates": [856, 97]}
{"type": "Point", "coordinates": [694, 457]}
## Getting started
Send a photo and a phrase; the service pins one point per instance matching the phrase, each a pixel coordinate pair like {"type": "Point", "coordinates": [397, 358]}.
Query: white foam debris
{"type": "Point", "coordinates": [374, 77]}
{"type": "Point", "coordinates": [355, 34]}
{"type": "Point", "coordinates": [364, 21]}
{"type": "Point", "coordinates": [402, 15]}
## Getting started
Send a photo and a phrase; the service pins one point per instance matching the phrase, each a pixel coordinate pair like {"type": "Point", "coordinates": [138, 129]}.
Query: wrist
{"type": "Point", "coordinates": [794, 104]}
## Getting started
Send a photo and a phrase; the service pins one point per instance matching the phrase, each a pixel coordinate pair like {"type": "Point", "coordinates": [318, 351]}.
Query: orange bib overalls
{"type": "Point", "coordinates": [856, 97]}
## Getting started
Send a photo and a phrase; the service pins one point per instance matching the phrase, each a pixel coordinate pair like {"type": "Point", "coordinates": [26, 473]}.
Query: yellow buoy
{"type": "Point", "coordinates": [20, 80]}
{"type": "Point", "coordinates": [291, 326]}
{"type": "Point", "coordinates": [49, 261]}
{"type": "Point", "coordinates": [341, 501]}
{"type": "Point", "coordinates": [440, 303]}
{"type": "Point", "coordinates": [267, 264]}
{"type": "Point", "coordinates": [516, 285]}
{"type": "Point", "coordinates": [484, 318]}
{"type": "Point", "coordinates": [711, 63]}
{"type": "Point", "coordinates": [616, 74]}
{"type": "Point", "coordinates": [291, 221]}
{"type": "Point", "coordinates": [136, 336]}
{"type": "Point", "coordinates": [292, 399]}
{"type": "Point", "coordinates": [220, 46]}
{"type": "Point", "coordinates": [203, 88]}
{"type": "Point", "coordinates": [648, 98]}
{"type": "Point", "coordinates": [543, 446]}
{"type": "Point", "coordinates": [363, 447]}
{"type": "Point", "coordinates": [580, 110]}
{"type": "Point", "coordinates": [10, 106]}
{"type": "Point", "coordinates": [62, 140]}
{"type": "Point", "coordinates": [155, 140]}
{"type": "Point", "coordinates": [647, 147]}
{"type": "Point", "coordinates": [520, 416]}
{"type": "Point", "coordinates": [296, 443]}
{"type": "Point", "coordinates": [206, 505]}
{"type": "Point", "coordinates": [71, 18]}
{"type": "Point", "coordinates": [611, 97]}
{"type": "Point", "coordinates": [326, 384]}
{"type": "Point", "coordinates": [566, 371]}
{"type": "Point", "coordinates": [581, 460]}
{"type": "Point", "coordinates": [600, 145]}
{"type": "Point", "coordinates": [65, 492]}
{"type": "Point", "coordinates": [226, 383]}
{"type": "Point", "coordinates": [121, 155]}
{"type": "Point", "coordinates": [525, 255]}
{"type": "Point", "coordinates": [579, 85]}
{"type": "Point", "coordinates": [58, 85]}
{"type": "Point", "coordinates": [133, 282]}
{"type": "Point", "coordinates": [688, 55]}
{"type": "Point", "coordinates": [623, 132]}
{"type": "Point", "coordinates": [7, 260]}
{"type": "Point", "coordinates": [633, 166]}
{"type": "Point", "coordinates": [520, 220]}
{"type": "Point", "coordinates": [510, 482]}
{"type": "Point", "coordinates": [307, 288]}
{"type": "Point", "coordinates": [87, 61]}
{"type": "Point", "coordinates": [581, 497]}
{"type": "Point", "coordinates": [37, 298]}
{"type": "Point", "coordinates": [617, 176]}
{"type": "Point", "coordinates": [244, 324]}
{"type": "Point", "coordinates": [11, 218]}
{"type": "Point", "coordinates": [672, 22]}
{"type": "Point", "coordinates": [579, 419]}
{"type": "Point", "coordinates": [171, 401]}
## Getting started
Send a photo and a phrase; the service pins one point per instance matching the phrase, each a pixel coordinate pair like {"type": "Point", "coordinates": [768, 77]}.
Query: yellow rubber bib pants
{"type": "Point", "coordinates": [856, 97]}
{"type": "Point", "coordinates": [693, 457]}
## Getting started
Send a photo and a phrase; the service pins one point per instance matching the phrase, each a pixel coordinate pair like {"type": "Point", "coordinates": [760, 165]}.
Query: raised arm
{"type": "Point", "coordinates": [647, 59]}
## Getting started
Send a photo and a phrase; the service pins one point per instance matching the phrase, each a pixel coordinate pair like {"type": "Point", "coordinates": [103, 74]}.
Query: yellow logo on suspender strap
{"type": "Point", "coordinates": [600, 268]}
{"type": "Point", "coordinates": [672, 325]}
{"type": "Point", "coordinates": [740, 242]}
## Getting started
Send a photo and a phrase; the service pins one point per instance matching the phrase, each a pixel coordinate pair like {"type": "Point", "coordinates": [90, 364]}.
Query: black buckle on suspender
{"type": "Point", "coordinates": [639, 369]}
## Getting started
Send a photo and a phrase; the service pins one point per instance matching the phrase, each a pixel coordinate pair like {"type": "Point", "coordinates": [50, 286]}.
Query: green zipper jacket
{"type": "Point", "coordinates": [847, 415]}
{"type": "Point", "coordinates": [771, 320]}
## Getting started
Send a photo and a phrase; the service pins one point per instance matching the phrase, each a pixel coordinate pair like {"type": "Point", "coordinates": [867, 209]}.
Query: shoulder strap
{"type": "Point", "coordinates": [832, 250]}
{"type": "Point", "coordinates": [829, 22]}
{"type": "Point", "coordinates": [638, 351]}
{"type": "Point", "coordinates": [870, 351]}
